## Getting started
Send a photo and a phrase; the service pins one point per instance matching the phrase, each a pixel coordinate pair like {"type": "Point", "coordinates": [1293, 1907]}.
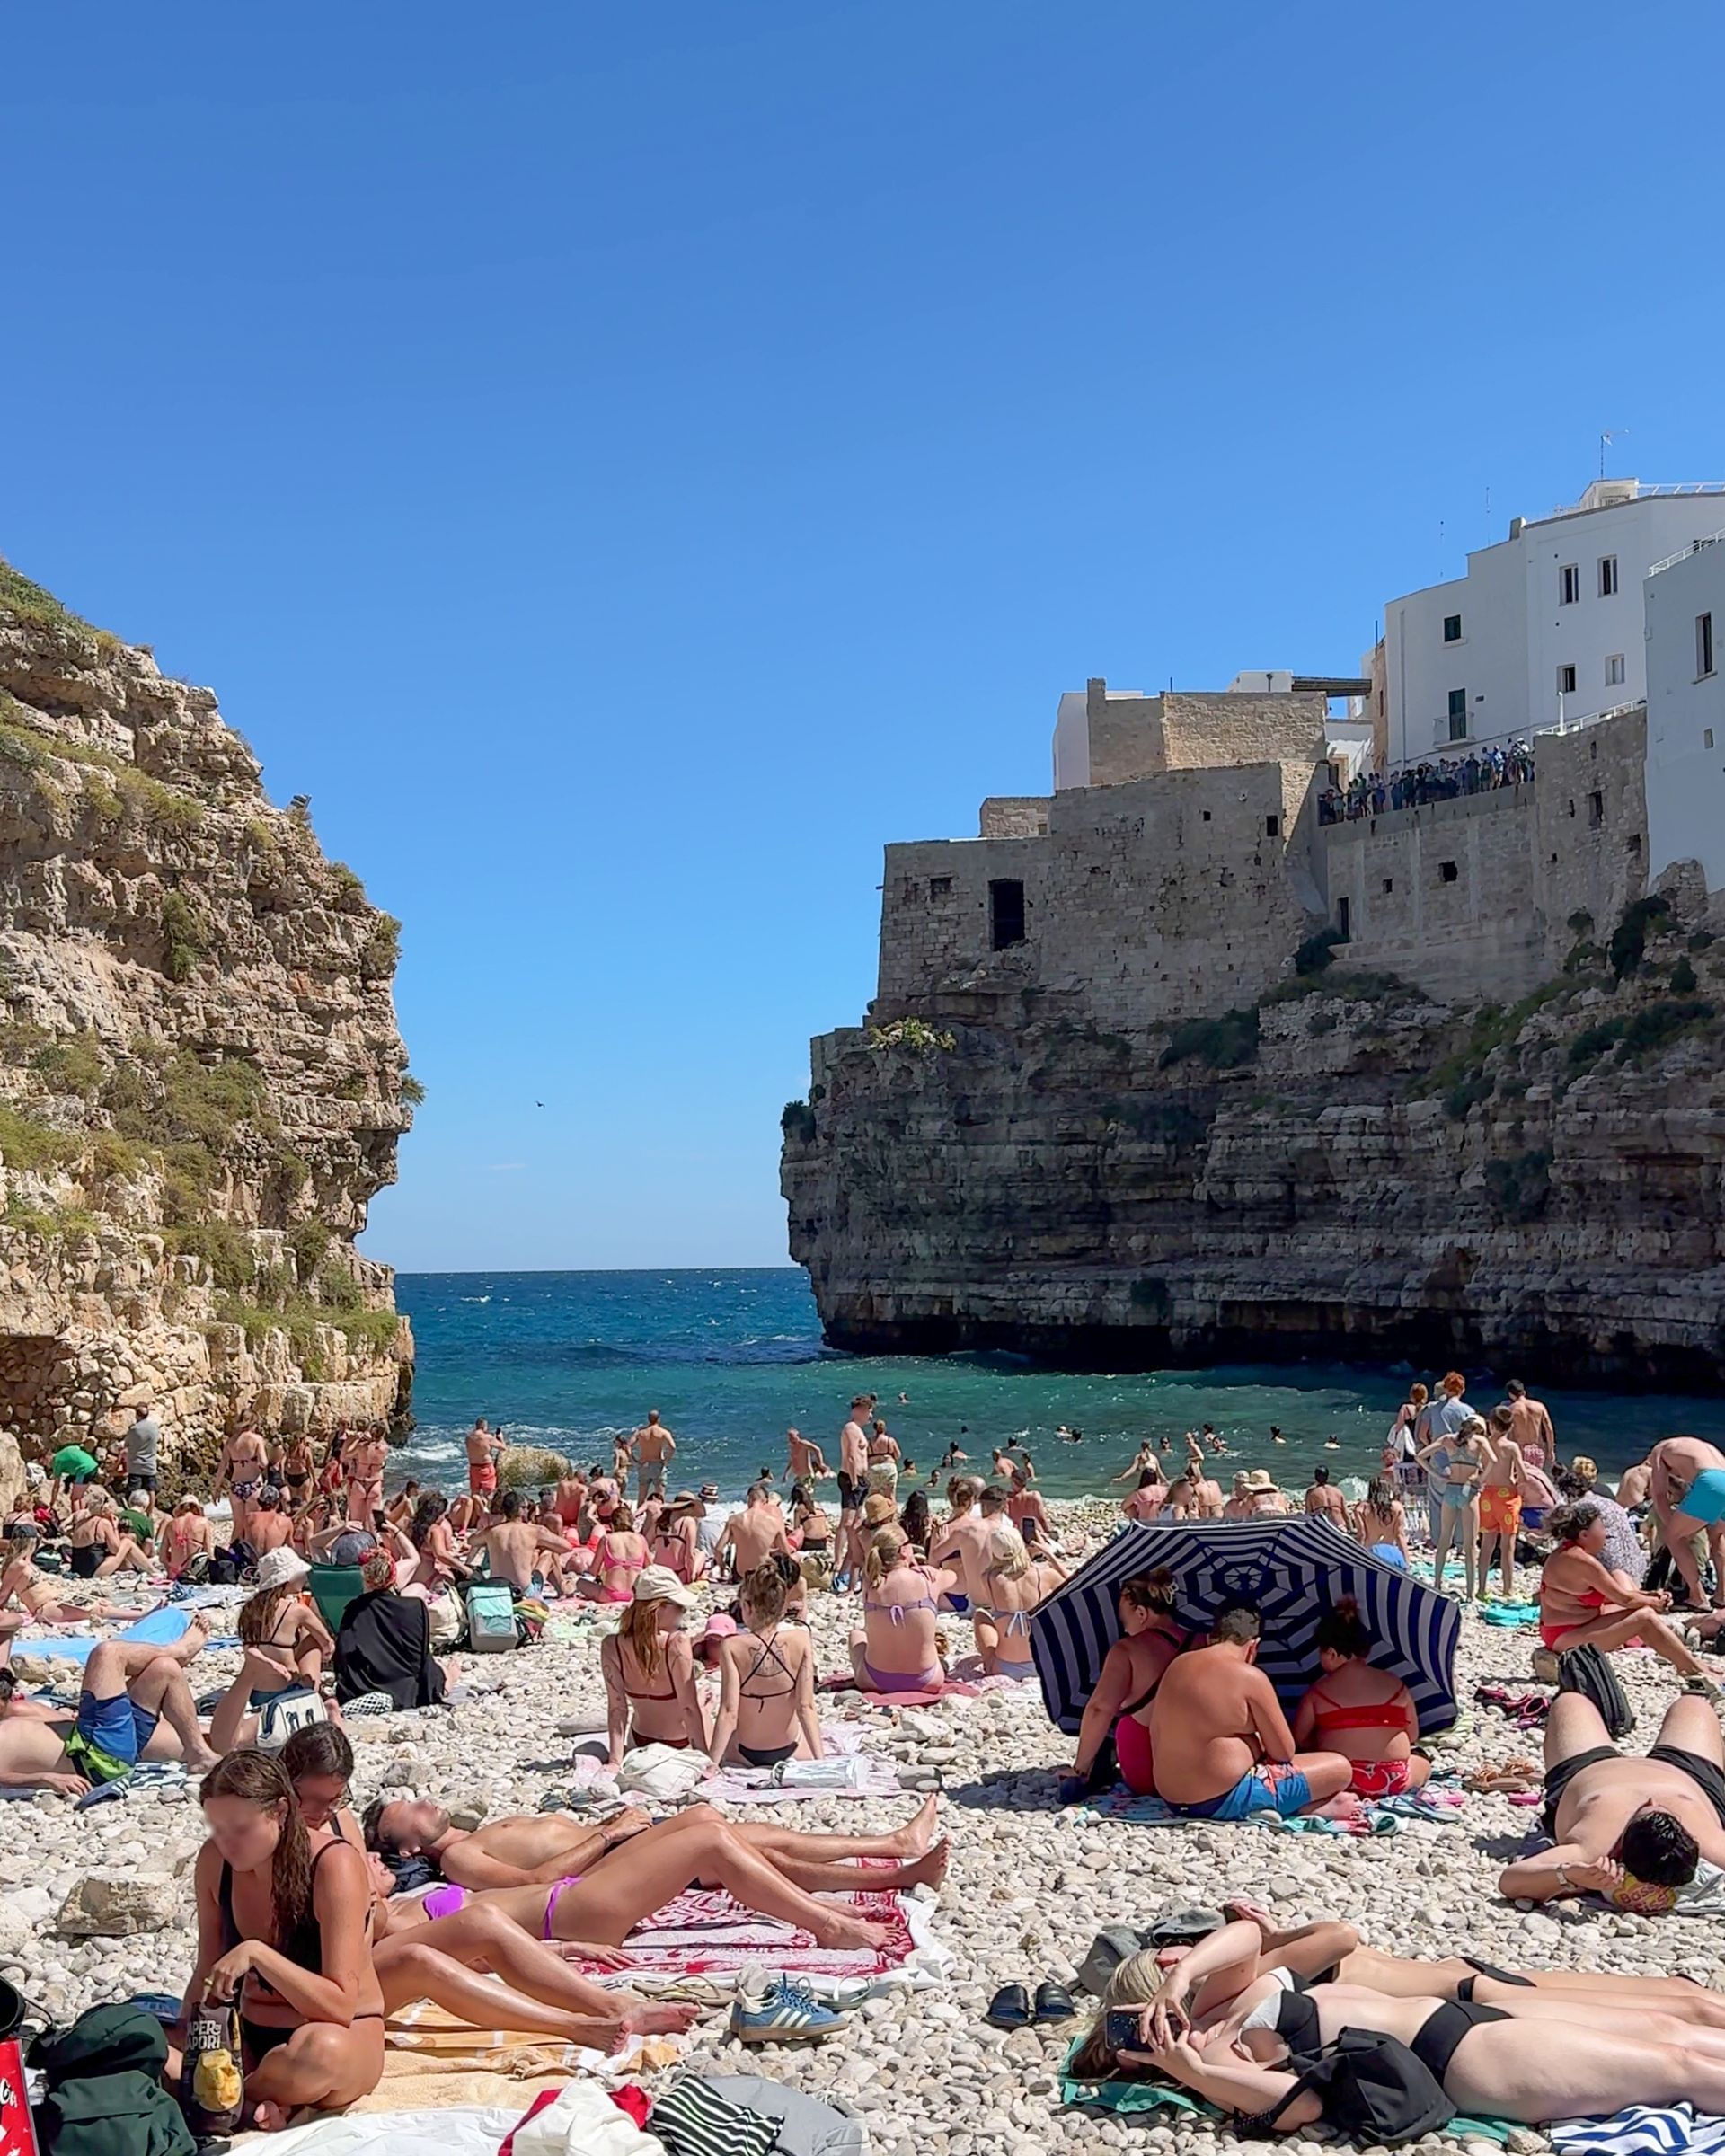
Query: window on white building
{"type": "Point", "coordinates": [1614, 670]}
{"type": "Point", "coordinates": [1451, 627]}
{"type": "Point", "coordinates": [1607, 575]}
{"type": "Point", "coordinates": [1569, 584]}
{"type": "Point", "coordinates": [1565, 681]}
{"type": "Point", "coordinates": [1704, 643]}
{"type": "Point", "coordinates": [1458, 714]}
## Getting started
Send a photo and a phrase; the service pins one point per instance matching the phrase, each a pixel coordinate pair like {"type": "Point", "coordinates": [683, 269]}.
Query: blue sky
{"type": "Point", "coordinates": [627, 464]}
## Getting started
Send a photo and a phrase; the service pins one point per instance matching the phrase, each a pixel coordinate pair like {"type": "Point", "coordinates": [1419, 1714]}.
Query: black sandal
{"type": "Point", "coordinates": [1054, 2003]}
{"type": "Point", "coordinates": [1009, 2008]}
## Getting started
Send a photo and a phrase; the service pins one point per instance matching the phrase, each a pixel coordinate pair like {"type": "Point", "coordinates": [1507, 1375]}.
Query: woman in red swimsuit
{"type": "Point", "coordinates": [1363, 1712]}
{"type": "Point", "coordinates": [1581, 1602]}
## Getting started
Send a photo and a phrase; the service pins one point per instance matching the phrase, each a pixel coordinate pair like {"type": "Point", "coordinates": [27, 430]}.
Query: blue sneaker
{"type": "Point", "coordinates": [779, 2010]}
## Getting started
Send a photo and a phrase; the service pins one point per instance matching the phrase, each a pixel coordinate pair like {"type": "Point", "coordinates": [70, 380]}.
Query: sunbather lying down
{"type": "Point", "coordinates": [1223, 2024]}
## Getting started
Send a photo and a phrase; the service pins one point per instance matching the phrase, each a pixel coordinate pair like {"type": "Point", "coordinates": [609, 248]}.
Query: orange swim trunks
{"type": "Point", "coordinates": [1499, 1510]}
{"type": "Point", "coordinates": [481, 1478]}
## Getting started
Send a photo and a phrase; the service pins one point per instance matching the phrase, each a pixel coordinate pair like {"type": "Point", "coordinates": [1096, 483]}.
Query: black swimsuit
{"type": "Point", "coordinates": [1435, 2045]}
{"type": "Point", "coordinates": [304, 1946]}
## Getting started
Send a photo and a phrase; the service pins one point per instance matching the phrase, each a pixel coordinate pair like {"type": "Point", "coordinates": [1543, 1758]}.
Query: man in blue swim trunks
{"type": "Point", "coordinates": [1688, 1493]}
{"type": "Point", "coordinates": [1219, 1740]}
{"type": "Point", "coordinates": [131, 1689]}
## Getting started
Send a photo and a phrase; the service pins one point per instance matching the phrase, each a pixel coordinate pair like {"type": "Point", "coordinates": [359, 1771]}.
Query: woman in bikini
{"type": "Point", "coordinates": [37, 1594]}
{"type": "Point", "coordinates": [1132, 1669]}
{"type": "Point", "coordinates": [281, 1930]}
{"type": "Point", "coordinates": [1382, 1524]}
{"type": "Point", "coordinates": [618, 1555]}
{"type": "Point", "coordinates": [1366, 1714]}
{"type": "Point", "coordinates": [770, 1870]}
{"type": "Point", "coordinates": [286, 1645]}
{"type": "Point", "coordinates": [437, 1563]}
{"type": "Point", "coordinates": [647, 1665]}
{"type": "Point", "coordinates": [897, 1650]}
{"type": "Point", "coordinates": [1016, 1583]}
{"type": "Point", "coordinates": [766, 1676]}
{"type": "Point", "coordinates": [812, 1532]}
{"type": "Point", "coordinates": [1581, 1604]}
{"type": "Point", "coordinates": [1538, 2060]}
{"type": "Point", "coordinates": [674, 1545]}
{"type": "Point", "coordinates": [530, 1984]}
{"type": "Point", "coordinates": [98, 1547]}
{"type": "Point", "coordinates": [298, 1465]}
{"type": "Point", "coordinates": [188, 1535]}
{"type": "Point", "coordinates": [1457, 1466]}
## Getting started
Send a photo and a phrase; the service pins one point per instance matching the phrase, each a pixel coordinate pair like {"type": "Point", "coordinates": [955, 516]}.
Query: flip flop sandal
{"type": "Point", "coordinates": [1011, 2008]}
{"type": "Point", "coordinates": [1054, 2004]}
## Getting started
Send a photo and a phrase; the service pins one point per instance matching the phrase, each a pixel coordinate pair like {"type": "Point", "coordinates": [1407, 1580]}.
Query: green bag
{"type": "Point", "coordinates": [104, 2095]}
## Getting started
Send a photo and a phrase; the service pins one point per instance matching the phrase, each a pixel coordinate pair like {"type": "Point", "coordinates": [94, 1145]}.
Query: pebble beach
{"type": "Point", "coordinates": [1029, 1884]}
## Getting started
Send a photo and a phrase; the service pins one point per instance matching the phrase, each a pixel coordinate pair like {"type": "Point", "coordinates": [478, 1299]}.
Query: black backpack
{"type": "Point", "coordinates": [1374, 2091]}
{"type": "Point", "coordinates": [227, 1565]}
{"type": "Point", "coordinates": [1584, 1669]}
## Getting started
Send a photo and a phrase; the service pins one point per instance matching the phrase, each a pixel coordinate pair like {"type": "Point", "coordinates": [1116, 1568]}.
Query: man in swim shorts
{"type": "Point", "coordinates": [1630, 1828]}
{"type": "Point", "coordinates": [1500, 1489]}
{"type": "Point", "coordinates": [1221, 1743]}
{"type": "Point", "coordinates": [130, 1688]}
{"type": "Point", "coordinates": [1688, 1493]}
{"type": "Point", "coordinates": [484, 1448]}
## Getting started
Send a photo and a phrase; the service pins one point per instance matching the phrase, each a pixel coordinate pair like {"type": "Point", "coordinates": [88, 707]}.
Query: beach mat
{"type": "Point", "coordinates": [704, 1936]}
{"type": "Point", "coordinates": [161, 1628]}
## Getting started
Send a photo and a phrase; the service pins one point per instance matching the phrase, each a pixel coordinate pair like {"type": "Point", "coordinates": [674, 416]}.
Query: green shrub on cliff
{"type": "Point", "coordinates": [1518, 1188]}
{"type": "Point", "coordinates": [31, 603]}
{"type": "Point", "coordinates": [1628, 943]}
{"type": "Point", "coordinates": [1221, 1044]}
{"type": "Point", "coordinates": [797, 1121]}
{"type": "Point", "coordinates": [911, 1033]}
{"type": "Point", "coordinates": [185, 936]}
{"type": "Point", "coordinates": [26, 1142]}
{"type": "Point", "coordinates": [1317, 951]}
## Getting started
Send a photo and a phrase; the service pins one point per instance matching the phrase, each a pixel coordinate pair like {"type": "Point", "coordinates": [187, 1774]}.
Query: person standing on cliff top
{"type": "Point", "coordinates": [1530, 1422]}
{"type": "Point", "coordinates": [853, 1487]}
{"type": "Point", "coordinates": [654, 1447]}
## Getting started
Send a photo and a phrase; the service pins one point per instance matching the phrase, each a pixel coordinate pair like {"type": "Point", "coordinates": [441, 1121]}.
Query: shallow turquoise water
{"type": "Point", "coordinates": [729, 1358]}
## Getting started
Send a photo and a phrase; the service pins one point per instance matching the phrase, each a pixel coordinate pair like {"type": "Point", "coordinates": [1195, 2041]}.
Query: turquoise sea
{"type": "Point", "coordinates": [732, 1358]}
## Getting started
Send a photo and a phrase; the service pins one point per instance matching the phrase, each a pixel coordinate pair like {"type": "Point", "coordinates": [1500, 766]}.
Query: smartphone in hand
{"type": "Point", "coordinates": [1122, 2030]}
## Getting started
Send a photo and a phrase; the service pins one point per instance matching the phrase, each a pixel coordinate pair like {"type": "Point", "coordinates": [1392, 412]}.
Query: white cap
{"type": "Point", "coordinates": [658, 1583]}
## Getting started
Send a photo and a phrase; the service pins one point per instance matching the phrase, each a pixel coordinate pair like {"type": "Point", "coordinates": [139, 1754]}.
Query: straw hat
{"type": "Point", "coordinates": [684, 1501]}
{"type": "Point", "coordinates": [1260, 1480]}
{"type": "Point", "coordinates": [658, 1583]}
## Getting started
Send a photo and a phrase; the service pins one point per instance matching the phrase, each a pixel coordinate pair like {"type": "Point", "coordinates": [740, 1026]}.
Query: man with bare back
{"type": "Point", "coordinates": [853, 1487]}
{"type": "Point", "coordinates": [516, 1547]}
{"type": "Point", "coordinates": [654, 1447]}
{"type": "Point", "coordinates": [1688, 1492]}
{"type": "Point", "coordinates": [749, 1537]}
{"type": "Point", "coordinates": [962, 1544]}
{"type": "Point", "coordinates": [804, 1460]}
{"type": "Point", "coordinates": [485, 1448]}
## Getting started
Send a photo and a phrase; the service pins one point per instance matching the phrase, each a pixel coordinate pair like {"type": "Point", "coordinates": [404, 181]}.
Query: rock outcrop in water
{"type": "Point", "coordinates": [201, 1081]}
{"type": "Point", "coordinates": [1347, 1168]}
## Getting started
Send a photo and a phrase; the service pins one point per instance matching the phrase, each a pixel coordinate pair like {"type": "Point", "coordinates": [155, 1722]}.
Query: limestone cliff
{"type": "Point", "coordinates": [201, 1081]}
{"type": "Point", "coordinates": [1346, 1169]}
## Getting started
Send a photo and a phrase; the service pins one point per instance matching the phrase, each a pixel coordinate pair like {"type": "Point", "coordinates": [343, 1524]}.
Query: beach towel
{"type": "Point", "coordinates": [695, 1947]}
{"type": "Point", "coordinates": [1510, 1613]}
{"type": "Point", "coordinates": [466, 2130]}
{"type": "Point", "coordinates": [1124, 2099]}
{"type": "Point", "coordinates": [422, 2039]}
{"type": "Point", "coordinates": [160, 1628]}
{"type": "Point", "coordinates": [846, 1771]}
{"type": "Point", "coordinates": [955, 1688]}
{"type": "Point", "coordinates": [1640, 2130]}
{"type": "Point", "coordinates": [1120, 1803]}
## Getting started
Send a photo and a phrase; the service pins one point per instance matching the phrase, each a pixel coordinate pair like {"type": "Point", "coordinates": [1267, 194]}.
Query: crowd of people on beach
{"type": "Point", "coordinates": [1435, 779]}
{"type": "Point", "coordinates": [350, 1597]}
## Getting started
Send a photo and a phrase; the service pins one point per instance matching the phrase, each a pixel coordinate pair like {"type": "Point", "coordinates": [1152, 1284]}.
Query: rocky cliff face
{"type": "Point", "coordinates": [201, 1083]}
{"type": "Point", "coordinates": [1348, 1169]}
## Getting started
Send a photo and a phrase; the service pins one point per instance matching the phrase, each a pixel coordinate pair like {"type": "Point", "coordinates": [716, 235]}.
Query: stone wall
{"type": "Point", "coordinates": [1590, 840]}
{"type": "Point", "coordinates": [1134, 737]}
{"type": "Point", "coordinates": [1014, 816]}
{"type": "Point", "coordinates": [1163, 899]}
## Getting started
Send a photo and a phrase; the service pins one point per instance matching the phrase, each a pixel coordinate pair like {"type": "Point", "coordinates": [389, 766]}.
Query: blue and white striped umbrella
{"type": "Point", "coordinates": [1292, 1571]}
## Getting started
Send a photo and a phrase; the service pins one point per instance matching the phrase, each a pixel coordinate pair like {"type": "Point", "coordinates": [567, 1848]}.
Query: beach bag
{"type": "Point", "coordinates": [1584, 1669]}
{"type": "Point", "coordinates": [446, 1617]}
{"type": "Point", "coordinates": [663, 1772]}
{"type": "Point", "coordinates": [103, 2093]}
{"type": "Point", "coordinates": [280, 1719]}
{"type": "Point", "coordinates": [816, 1569]}
{"type": "Point", "coordinates": [227, 1565]}
{"type": "Point", "coordinates": [1375, 2092]}
{"type": "Point", "coordinates": [212, 2078]}
{"type": "Point", "coordinates": [490, 1618]}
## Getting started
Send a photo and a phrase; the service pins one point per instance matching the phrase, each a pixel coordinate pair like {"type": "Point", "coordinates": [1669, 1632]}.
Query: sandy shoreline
{"type": "Point", "coordinates": [1029, 1886]}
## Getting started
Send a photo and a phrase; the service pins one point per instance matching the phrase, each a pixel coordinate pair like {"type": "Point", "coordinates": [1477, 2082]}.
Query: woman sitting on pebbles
{"type": "Point", "coordinates": [36, 1592]}
{"type": "Point", "coordinates": [99, 1549]}
{"type": "Point", "coordinates": [281, 1930]}
{"type": "Point", "coordinates": [767, 1698]}
{"type": "Point", "coordinates": [1382, 1524]}
{"type": "Point", "coordinates": [1538, 2059]}
{"type": "Point", "coordinates": [647, 1665]}
{"type": "Point", "coordinates": [287, 1645]}
{"type": "Point", "coordinates": [188, 1537]}
{"type": "Point", "coordinates": [898, 1648]}
{"type": "Point", "coordinates": [1580, 1603]}
{"type": "Point", "coordinates": [436, 1561]}
{"type": "Point", "coordinates": [1016, 1584]}
{"type": "Point", "coordinates": [1131, 1671]}
{"type": "Point", "coordinates": [1366, 1714]}
{"type": "Point", "coordinates": [618, 1555]}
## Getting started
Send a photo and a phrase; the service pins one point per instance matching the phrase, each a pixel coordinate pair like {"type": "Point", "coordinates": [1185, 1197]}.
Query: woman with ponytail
{"type": "Point", "coordinates": [898, 1648]}
{"type": "Point", "coordinates": [1363, 1712]}
{"type": "Point", "coordinates": [281, 1932]}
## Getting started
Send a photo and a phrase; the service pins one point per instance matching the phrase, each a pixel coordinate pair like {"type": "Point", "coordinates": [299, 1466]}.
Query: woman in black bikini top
{"type": "Point", "coordinates": [283, 1931]}
{"type": "Point", "coordinates": [766, 1682]}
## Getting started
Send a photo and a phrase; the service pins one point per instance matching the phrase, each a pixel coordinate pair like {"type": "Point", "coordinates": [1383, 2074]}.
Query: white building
{"type": "Point", "coordinates": [1547, 625]}
{"type": "Point", "coordinates": [1685, 607]}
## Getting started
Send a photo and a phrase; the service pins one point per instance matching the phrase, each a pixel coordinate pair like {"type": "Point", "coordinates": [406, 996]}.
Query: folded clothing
{"type": "Point", "coordinates": [693, 2118]}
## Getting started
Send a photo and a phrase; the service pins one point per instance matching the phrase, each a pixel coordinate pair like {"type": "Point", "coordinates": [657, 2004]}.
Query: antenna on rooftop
{"type": "Point", "coordinates": [1607, 436]}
